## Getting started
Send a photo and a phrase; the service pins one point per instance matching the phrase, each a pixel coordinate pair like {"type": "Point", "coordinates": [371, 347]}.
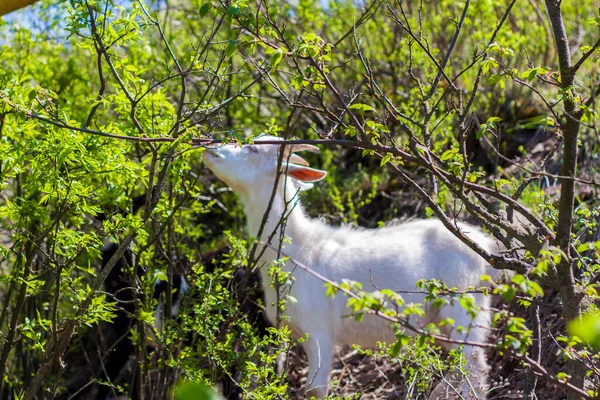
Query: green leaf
{"type": "Point", "coordinates": [386, 159]}
{"type": "Point", "coordinates": [350, 131]}
{"type": "Point", "coordinates": [535, 122]}
{"type": "Point", "coordinates": [487, 64]}
{"type": "Point", "coordinates": [232, 11]}
{"type": "Point", "coordinates": [448, 154]}
{"type": "Point", "coordinates": [584, 247]}
{"type": "Point", "coordinates": [276, 59]}
{"type": "Point", "coordinates": [330, 290]}
{"type": "Point", "coordinates": [194, 391]}
{"type": "Point", "coordinates": [361, 107]}
{"type": "Point", "coordinates": [562, 376]}
{"type": "Point", "coordinates": [204, 9]}
{"type": "Point", "coordinates": [530, 74]}
{"type": "Point", "coordinates": [587, 329]}
{"type": "Point", "coordinates": [509, 294]}
{"type": "Point", "coordinates": [161, 275]}
{"type": "Point", "coordinates": [536, 288]}
{"type": "Point", "coordinates": [492, 80]}
{"type": "Point", "coordinates": [501, 183]}
{"type": "Point", "coordinates": [231, 48]}
{"type": "Point", "coordinates": [404, 340]}
{"type": "Point", "coordinates": [466, 302]}
{"type": "Point", "coordinates": [367, 152]}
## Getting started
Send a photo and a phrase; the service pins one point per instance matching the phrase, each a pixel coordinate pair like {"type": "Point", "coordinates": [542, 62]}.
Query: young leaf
{"type": "Point", "coordinates": [204, 9]}
{"type": "Point", "coordinates": [276, 59]}
{"type": "Point", "coordinates": [231, 48]}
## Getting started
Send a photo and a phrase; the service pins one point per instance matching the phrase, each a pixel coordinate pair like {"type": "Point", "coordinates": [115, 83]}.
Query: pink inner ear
{"type": "Point", "coordinates": [305, 174]}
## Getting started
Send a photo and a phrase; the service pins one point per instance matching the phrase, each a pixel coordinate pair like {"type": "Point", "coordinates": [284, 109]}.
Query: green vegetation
{"type": "Point", "coordinates": [442, 109]}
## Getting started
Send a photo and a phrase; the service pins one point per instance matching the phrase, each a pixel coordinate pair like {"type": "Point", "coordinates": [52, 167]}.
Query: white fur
{"type": "Point", "coordinates": [393, 257]}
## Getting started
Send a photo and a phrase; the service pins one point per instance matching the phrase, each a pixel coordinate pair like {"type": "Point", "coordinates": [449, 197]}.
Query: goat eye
{"type": "Point", "coordinates": [252, 149]}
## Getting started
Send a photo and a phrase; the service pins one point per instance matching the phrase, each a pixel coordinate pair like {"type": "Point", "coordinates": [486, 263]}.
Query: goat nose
{"type": "Point", "coordinates": [213, 151]}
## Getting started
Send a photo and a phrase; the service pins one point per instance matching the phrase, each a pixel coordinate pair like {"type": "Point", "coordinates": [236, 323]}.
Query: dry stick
{"type": "Point", "coordinates": [366, 15]}
{"type": "Point", "coordinates": [530, 240]}
{"type": "Point", "coordinates": [539, 173]}
{"type": "Point", "coordinates": [484, 56]}
{"type": "Point", "coordinates": [338, 95]}
{"type": "Point", "coordinates": [530, 376]}
{"type": "Point", "coordinates": [417, 40]}
{"type": "Point", "coordinates": [88, 120]}
{"type": "Point", "coordinates": [541, 96]}
{"type": "Point", "coordinates": [379, 93]}
{"type": "Point", "coordinates": [540, 370]}
{"type": "Point", "coordinates": [216, 108]}
{"type": "Point", "coordinates": [341, 142]}
{"type": "Point", "coordinates": [252, 258]}
{"type": "Point", "coordinates": [160, 82]}
{"type": "Point", "coordinates": [536, 222]}
{"type": "Point", "coordinates": [104, 51]}
{"type": "Point", "coordinates": [575, 67]}
{"type": "Point", "coordinates": [200, 53]}
{"type": "Point", "coordinates": [428, 110]}
{"type": "Point", "coordinates": [436, 81]}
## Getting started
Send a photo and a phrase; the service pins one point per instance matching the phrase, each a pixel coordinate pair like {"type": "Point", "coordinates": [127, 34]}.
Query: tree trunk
{"type": "Point", "coordinates": [565, 280]}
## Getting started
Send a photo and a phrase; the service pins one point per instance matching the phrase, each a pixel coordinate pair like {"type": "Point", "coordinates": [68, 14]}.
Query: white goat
{"type": "Point", "coordinates": [394, 257]}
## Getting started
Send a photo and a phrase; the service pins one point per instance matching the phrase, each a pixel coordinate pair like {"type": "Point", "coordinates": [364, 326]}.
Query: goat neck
{"type": "Point", "coordinates": [286, 205]}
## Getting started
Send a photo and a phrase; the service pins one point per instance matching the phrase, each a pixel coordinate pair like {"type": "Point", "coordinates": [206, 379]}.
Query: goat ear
{"type": "Point", "coordinates": [305, 174]}
{"type": "Point", "coordinates": [305, 147]}
{"type": "Point", "coordinates": [296, 159]}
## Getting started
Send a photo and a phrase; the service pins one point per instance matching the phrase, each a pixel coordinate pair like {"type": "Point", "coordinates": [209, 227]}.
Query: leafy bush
{"type": "Point", "coordinates": [454, 110]}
